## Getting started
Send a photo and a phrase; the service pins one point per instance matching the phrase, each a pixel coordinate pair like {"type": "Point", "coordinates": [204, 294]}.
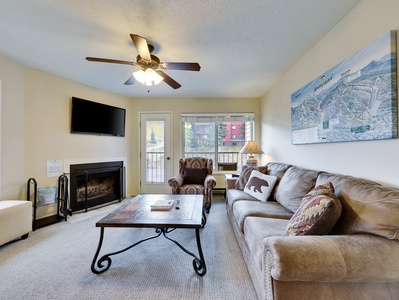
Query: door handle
{"type": "Point", "coordinates": [168, 158]}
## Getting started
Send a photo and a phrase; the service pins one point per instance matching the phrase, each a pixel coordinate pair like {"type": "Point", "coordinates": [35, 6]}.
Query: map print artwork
{"type": "Point", "coordinates": [354, 101]}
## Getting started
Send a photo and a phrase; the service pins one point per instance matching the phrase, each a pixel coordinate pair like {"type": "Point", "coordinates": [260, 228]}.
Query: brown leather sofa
{"type": "Point", "coordinates": [358, 259]}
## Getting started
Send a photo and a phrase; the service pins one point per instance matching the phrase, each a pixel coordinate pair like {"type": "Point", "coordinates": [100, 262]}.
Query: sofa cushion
{"type": "Point", "coordinates": [234, 195]}
{"type": "Point", "coordinates": [367, 206]}
{"type": "Point", "coordinates": [246, 173]}
{"type": "Point", "coordinates": [260, 185]}
{"type": "Point", "coordinates": [317, 214]}
{"type": "Point", "coordinates": [294, 185]}
{"type": "Point", "coordinates": [194, 175]}
{"type": "Point", "coordinates": [243, 209]}
{"type": "Point", "coordinates": [256, 230]}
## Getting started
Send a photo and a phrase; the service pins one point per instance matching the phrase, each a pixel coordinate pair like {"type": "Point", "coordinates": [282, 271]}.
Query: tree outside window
{"type": "Point", "coordinates": [220, 141]}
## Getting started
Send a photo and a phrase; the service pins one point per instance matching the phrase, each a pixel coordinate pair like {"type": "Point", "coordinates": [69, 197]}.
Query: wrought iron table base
{"type": "Point", "coordinates": [105, 261]}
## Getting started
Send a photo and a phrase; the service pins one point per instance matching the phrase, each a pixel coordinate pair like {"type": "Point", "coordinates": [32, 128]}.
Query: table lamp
{"type": "Point", "coordinates": [251, 148]}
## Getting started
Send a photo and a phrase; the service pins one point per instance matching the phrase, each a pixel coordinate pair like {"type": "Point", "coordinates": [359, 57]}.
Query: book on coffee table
{"type": "Point", "coordinates": [163, 205]}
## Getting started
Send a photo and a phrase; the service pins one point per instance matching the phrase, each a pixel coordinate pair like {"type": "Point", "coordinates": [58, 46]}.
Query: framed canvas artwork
{"type": "Point", "coordinates": [354, 101]}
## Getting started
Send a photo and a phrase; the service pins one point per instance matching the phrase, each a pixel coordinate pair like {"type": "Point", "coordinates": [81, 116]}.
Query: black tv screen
{"type": "Point", "coordinates": [95, 118]}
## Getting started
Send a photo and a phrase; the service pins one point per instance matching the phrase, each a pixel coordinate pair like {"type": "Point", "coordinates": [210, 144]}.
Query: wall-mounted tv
{"type": "Point", "coordinates": [90, 117]}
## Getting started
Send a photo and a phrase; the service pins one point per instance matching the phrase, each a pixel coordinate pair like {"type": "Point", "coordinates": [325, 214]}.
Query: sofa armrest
{"type": "Point", "coordinates": [176, 182]}
{"type": "Point", "coordinates": [348, 258]}
{"type": "Point", "coordinates": [230, 183]}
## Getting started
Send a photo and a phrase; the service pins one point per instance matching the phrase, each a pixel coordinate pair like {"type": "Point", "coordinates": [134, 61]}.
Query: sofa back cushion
{"type": "Point", "coordinates": [367, 206]}
{"type": "Point", "coordinates": [294, 185]}
{"type": "Point", "coordinates": [276, 169]}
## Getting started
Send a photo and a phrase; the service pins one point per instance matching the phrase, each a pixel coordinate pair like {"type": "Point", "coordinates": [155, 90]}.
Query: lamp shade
{"type": "Point", "coordinates": [251, 147]}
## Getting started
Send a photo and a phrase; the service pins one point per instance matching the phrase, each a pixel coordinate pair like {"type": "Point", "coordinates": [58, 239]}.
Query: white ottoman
{"type": "Point", "coordinates": [15, 220]}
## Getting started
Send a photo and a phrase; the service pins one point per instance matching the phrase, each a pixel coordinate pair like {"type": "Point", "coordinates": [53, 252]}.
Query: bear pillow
{"type": "Point", "coordinates": [260, 185]}
{"type": "Point", "coordinates": [245, 173]}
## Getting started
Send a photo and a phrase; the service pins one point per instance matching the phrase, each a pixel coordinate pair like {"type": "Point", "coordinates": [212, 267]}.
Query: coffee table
{"type": "Point", "coordinates": [137, 213]}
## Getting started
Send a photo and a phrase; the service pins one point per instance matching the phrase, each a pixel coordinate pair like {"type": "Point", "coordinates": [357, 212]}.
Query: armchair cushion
{"type": "Point", "coordinates": [192, 189]}
{"type": "Point", "coordinates": [195, 175]}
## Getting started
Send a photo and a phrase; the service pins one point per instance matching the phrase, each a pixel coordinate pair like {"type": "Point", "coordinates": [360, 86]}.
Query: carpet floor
{"type": "Point", "coordinates": [54, 262]}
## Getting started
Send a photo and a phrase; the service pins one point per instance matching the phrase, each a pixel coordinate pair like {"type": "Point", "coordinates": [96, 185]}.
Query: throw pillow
{"type": "Point", "coordinates": [317, 214]}
{"type": "Point", "coordinates": [194, 175]}
{"type": "Point", "coordinates": [260, 185]}
{"type": "Point", "coordinates": [244, 175]}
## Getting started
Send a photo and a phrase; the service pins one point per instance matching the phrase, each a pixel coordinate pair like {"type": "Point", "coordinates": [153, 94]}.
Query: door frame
{"type": "Point", "coordinates": [141, 147]}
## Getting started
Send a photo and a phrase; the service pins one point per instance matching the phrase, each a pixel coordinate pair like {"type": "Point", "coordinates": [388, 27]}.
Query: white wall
{"type": "Point", "coordinates": [375, 160]}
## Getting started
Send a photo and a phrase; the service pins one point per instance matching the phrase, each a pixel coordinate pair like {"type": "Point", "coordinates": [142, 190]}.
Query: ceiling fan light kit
{"type": "Point", "coordinates": [148, 77]}
{"type": "Point", "coordinates": [150, 73]}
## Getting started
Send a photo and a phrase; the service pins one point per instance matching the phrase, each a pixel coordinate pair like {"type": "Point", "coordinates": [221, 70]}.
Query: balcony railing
{"type": "Point", "coordinates": [155, 172]}
{"type": "Point", "coordinates": [223, 157]}
{"type": "Point", "coordinates": [156, 160]}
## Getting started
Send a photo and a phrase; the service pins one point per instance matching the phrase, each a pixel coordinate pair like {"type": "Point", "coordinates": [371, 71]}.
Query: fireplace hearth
{"type": "Point", "coordinates": [95, 184]}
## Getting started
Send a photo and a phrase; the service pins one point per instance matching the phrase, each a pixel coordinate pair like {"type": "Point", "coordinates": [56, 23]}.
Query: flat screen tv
{"type": "Point", "coordinates": [90, 117]}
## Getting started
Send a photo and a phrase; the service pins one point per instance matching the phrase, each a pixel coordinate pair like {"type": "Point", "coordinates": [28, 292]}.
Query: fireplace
{"type": "Point", "coordinates": [95, 184]}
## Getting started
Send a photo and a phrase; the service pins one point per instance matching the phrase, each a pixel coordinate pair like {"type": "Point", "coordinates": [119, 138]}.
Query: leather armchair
{"type": "Point", "coordinates": [195, 177]}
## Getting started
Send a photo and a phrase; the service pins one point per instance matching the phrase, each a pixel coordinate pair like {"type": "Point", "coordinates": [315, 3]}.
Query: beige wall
{"type": "Point", "coordinates": [376, 160]}
{"type": "Point", "coordinates": [12, 129]}
{"type": "Point", "coordinates": [36, 126]}
{"type": "Point", "coordinates": [47, 125]}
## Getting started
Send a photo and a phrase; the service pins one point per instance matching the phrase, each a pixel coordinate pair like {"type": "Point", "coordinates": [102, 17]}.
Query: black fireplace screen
{"type": "Point", "coordinates": [95, 184]}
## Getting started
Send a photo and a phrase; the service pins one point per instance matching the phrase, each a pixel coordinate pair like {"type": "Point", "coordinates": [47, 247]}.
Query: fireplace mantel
{"type": "Point", "coordinates": [68, 162]}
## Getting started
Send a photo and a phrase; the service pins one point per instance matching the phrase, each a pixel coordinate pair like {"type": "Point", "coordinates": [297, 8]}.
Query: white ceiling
{"type": "Point", "coordinates": [243, 47]}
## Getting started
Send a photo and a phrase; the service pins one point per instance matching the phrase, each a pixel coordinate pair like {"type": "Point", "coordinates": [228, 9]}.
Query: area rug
{"type": "Point", "coordinates": [54, 263]}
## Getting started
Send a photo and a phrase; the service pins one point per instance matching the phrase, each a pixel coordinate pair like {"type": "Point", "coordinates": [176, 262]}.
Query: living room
{"type": "Point", "coordinates": [35, 116]}
{"type": "Point", "coordinates": [36, 106]}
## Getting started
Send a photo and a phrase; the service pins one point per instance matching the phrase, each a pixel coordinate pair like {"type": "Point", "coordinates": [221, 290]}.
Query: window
{"type": "Point", "coordinates": [217, 136]}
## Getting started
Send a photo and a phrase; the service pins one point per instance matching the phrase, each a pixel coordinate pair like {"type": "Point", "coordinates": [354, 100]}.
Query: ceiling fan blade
{"type": "Point", "coordinates": [180, 66]}
{"type": "Point", "coordinates": [130, 81]}
{"type": "Point", "coordinates": [168, 80]}
{"type": "Point", "coordinates": [141, 45]}
{"type": "Point", "coordinates": [112, 61]}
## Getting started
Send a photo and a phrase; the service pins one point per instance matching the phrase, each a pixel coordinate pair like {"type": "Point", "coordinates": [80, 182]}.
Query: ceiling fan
{"type": "Point", "coordinates": [151, 71]}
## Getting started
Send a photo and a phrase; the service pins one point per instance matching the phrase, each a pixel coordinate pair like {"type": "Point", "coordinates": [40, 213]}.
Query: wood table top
{"type": "Point", "coordinates": [137, 213]}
